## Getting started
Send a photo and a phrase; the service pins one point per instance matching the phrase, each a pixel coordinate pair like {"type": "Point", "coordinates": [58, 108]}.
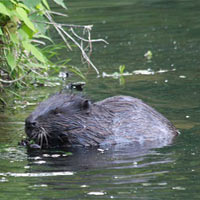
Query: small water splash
{"type": "Point", "coordinates": [97, 193]}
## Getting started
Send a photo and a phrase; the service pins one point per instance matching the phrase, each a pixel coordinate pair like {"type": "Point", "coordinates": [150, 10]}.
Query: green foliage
{"type": "Point", "coordinates": [121, 69]}
{"type": "Point", "coordinates": [23, 28]}
{"type": "Point", "coordinates": [60, 2]}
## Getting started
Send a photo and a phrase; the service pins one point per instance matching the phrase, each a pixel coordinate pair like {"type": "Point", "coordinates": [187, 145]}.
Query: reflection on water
{"type": "Point", "coordinates": [170, 30]}
{"type": "Point", "coordinates": [118, 171]}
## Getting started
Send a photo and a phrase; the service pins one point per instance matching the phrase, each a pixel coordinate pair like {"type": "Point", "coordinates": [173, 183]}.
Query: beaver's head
{"type": "Point", "coordinates": [59, 121]}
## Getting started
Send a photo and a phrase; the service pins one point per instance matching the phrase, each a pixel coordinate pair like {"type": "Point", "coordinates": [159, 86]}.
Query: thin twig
{"type": "Point", "coordinates": [13, 81]}
{"type": "Point", "coordinates": [82, 50]}
{"type": "Point", "coordinates": [89, 40]}
{"type": "Point", "coordinates": [32, 70]}
{"type": "Point", "coordinates": [56, 27]}
{"type": "Point", "coordinates": [57, 13]}
{"type": "Point", "coordinates": [65, 25]}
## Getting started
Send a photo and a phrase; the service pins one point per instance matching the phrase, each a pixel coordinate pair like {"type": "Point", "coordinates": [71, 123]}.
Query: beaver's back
{"type": "Point", "coordinates": [135, 121]}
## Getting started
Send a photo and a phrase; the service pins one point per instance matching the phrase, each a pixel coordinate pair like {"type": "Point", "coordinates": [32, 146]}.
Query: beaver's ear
{"type": "Point", "coordinates": [86, 104]}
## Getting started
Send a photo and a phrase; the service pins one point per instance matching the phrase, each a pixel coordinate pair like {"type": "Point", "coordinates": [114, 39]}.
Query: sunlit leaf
{"type": "Point", "coordinates": [34, 51]}
{"type": "Point", "coordinates": [46, 4]}
{"type": "Point", "coordinates": [4, 10]}
{"type": "Point", "coordinates": [28, 31]}
{"type": "Point", "coordinates": [11, 61]}
{"type": "Point", "coordinates": [44, 37]}
{"type": "Point", "coordinates": [121, 69]}
{"type": "Point", "coordinates": [61, 3]}
{"type": "Point", "coordinates": [24, 17]}
{"type": "Point", "coordinates": [23, 35]}
{"type": "Point", "coordinates": [14, 2]}
{"type": "Point", "coordinates": [23, 6]}
{"type": "Point", "coordinates": [31, 3]}
{"type": "Point", "coordinates": [14, 38]}
{"type": "Point", "coordinates": [40, 7]}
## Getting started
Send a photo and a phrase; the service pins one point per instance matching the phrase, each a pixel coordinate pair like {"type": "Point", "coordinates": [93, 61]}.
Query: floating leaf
{"type": "Point", "coordinates": [24, 17]}
{"type": "Point", "coordinates": [61, 3]}
{"type": "Point", "coordinates": [148, 55]}
{"type": "Point", "coordinates": [11, 60]}
{"type": "Point", "coordinates": [4, 10]}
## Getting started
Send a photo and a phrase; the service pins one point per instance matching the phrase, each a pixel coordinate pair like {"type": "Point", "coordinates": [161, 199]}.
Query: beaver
{"type": "Point", "coordinates": [71, 119]}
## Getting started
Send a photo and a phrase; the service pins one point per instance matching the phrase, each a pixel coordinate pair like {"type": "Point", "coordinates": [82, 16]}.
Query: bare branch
{"type": "Point", "coordinates": [57, 13]}
{"type": "Point", "coordinates": [89, 40]}
{"type": "Point", "coordinates": [82, 50]}
{"type": "Point", "coordinates": [65, 35]}
{"type": "Point", "coordinates": [56, 27]}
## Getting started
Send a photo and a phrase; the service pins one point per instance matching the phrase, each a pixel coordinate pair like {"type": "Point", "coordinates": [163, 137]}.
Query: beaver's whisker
{"type": "Point", "coordinates": [45, 138]}
{"type": "Point", "coordinates": [60, 138]}
{"type": "Point", "coordinates": [44, 131]}
{"type": "Point", "coordinates": [34, 136]}
{"type": "Point", "coordinates": [41, 140]}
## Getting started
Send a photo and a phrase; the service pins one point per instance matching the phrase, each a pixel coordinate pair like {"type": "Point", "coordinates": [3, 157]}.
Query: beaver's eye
{"type": "Point", "coordinates": [55, 111]}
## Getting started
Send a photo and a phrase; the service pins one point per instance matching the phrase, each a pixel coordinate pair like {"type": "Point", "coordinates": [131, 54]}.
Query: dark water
{"type": "Point", "coordinates": [170, 30]}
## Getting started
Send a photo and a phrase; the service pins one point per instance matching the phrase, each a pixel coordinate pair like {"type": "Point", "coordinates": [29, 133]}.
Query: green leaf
{"type": "Point", "coordinates": [39, 22]}
{"type": "Point", "coordinates": [61, 3]}
{"type": "Point", "coordinates": [23, 34]}
{"type": "Point", "coordinates": [76, 71]}
{"type": "Point", "coordinates": [38, 66]}
{"type": "Point", "coordinates": [4, 10]}
{"type": "Point", "coordinates": [1, 33]}
{"type": "Point", "coordinates": [34, 51]}
{"type": "Point", "coordinates": [14, 2]}
{"type": "Point", "coordinates": [46, 4]}
{"type": "Point", "coordinates": [31, 3]}
{"type": "Point", "coordinates": [121, 69]}
{"type": "Point", "coordinates": [14, 38]}
{"type": "Point", "coordinates": [11, 60]}
{"type": "Point", "coordinates": [44, 37]}
{"type": "Point", "coordinates": [28, 31]}
{"type": "Point", "coordinates": [24, 17]}
{"type": "Point", "coordinates": [23, 6]}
